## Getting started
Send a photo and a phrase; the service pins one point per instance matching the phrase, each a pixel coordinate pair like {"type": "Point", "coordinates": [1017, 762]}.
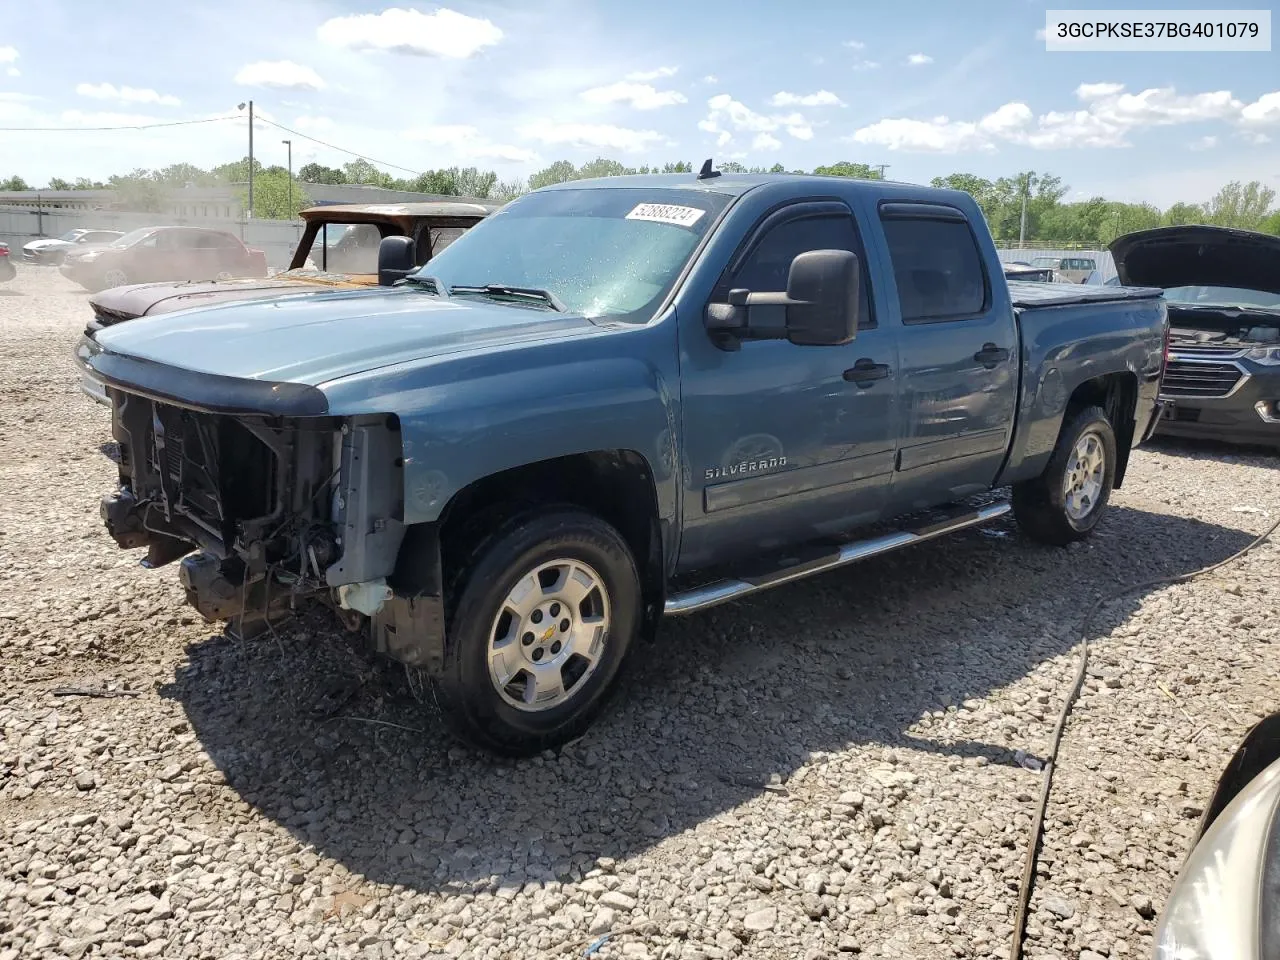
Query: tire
{"type": "Point", "coordinates": [489, 642]}
{"type": "Point", "coordinates": [1053, 510]}
{"type": "Point", "coordinates": [115, 277]}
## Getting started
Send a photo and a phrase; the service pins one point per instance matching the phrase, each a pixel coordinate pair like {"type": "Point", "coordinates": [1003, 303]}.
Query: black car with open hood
{"type": "Point", "coordinates": [1222, 285]}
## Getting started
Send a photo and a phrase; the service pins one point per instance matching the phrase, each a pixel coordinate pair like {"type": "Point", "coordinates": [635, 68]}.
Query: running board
{"type": "Point", "coordinates": [700, 598]}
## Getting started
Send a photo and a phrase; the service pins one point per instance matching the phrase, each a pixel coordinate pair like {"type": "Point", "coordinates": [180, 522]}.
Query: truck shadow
{"type": "Point", "coordinates": [721, 707]}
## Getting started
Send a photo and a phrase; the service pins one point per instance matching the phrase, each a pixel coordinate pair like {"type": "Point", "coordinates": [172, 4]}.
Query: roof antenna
{"type": "Point", "coordinates": [706, 173]}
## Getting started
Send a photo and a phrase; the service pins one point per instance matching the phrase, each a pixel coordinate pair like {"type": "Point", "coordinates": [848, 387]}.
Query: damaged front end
{"type": "Point", "coordinates": [269, 502]}
{"type": "Point", "coordinates": [280, 509]}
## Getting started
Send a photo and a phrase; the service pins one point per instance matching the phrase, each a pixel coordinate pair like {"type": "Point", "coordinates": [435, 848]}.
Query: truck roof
{"type": "Point", "coordinates": [462, 207]}
{"type": "Point", "coordinates": [736, 184]}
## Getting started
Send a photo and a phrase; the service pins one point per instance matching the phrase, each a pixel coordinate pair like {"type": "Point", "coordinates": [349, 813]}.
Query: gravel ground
{"type": "Point", "coordinates": [831, 768]}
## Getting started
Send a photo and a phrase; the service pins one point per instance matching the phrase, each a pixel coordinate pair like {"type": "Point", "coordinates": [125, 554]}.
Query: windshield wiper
{"type": "Point", "coordinates": [432, 284]}
{"type": "Point", "coordinates": [525, 293]}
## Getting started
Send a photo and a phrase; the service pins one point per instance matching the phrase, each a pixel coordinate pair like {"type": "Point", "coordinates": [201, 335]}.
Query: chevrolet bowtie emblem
{"type": "Point", "coordinates": [547, 636]}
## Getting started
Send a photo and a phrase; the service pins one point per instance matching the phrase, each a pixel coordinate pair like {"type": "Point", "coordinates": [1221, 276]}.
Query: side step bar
{"type": "Point", "coordinates": [700, 598]}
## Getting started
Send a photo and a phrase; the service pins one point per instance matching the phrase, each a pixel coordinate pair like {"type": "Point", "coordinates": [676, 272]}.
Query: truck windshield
{"type": "Point", "coordinates": [605, 253]}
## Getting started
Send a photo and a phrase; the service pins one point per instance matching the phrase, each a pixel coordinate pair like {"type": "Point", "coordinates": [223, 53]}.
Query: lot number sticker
{"type": "Point", "coordinates": [666, 213]}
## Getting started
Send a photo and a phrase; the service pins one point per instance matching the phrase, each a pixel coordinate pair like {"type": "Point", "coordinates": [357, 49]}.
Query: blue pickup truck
{"type": "Point", "coordinates": [609, 401]}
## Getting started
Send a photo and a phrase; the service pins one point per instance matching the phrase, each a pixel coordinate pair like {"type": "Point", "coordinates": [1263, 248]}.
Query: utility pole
{"type": "Point", "coordinates": [249, 215]}
{"type": "Point", "coordinates": [1022, 228]}
{"type": "Point", "coordinates": [289, 144]}
{"type": "Point", "coordinates": [882, 167]}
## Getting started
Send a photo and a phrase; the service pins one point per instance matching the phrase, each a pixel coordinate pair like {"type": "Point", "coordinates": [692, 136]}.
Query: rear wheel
{"type": "Point", "coordinates": [1065, 503]}
{"type": "Point", "coordinates": [114, 277]}
{"type": "Point", "coordinates": [541, 616]}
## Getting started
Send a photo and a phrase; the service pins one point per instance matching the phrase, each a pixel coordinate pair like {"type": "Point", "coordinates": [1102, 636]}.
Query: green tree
{"type": "Point", "coordinates": [1181, 213]}
{"type": "Point", "coordinates": [84, 183]}
{"type": "Point", "coordinates": [57, 183]}
{"type": "Point", "coordinates": [559, 172]}
{"type": "Point", "coordinates": [508, 190]}
{"type": "Point", "coordinates": [1240, 205]}
{"type": "Point", "coordinates": [1271, 224]}
{"type": "Point", "coordinates": [180, 174]}
{"type": "Point", "coordinates": [319, 173]}
{"type": "Point", "coordinates": [138, 190]}
{"type": "Point", "coordinates": [857, 171]}
{"type": "Point", "coordinates": [15, 182]}
{"type": "Point", "coordinates": [271, 195]}
{"type": "Point", "coordinates": [236, 172]}
{"type": "Point", "coordinates": [364, 172]}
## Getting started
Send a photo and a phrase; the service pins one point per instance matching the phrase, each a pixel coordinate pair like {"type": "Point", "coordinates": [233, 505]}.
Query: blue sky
{"type": "Point", "coordinates": [926, 87]}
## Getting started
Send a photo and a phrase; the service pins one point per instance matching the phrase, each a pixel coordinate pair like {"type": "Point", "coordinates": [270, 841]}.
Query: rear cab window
{"type": "Point", "coordinates": [937, 265]}
{"type": "Point", "coordinates": [345, 248]}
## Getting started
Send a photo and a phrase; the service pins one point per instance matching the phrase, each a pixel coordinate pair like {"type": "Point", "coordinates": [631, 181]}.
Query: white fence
{"type": "Point", "coordinates": [277, 238]}
{"type": "Point", "coordinates": [1106, 265]}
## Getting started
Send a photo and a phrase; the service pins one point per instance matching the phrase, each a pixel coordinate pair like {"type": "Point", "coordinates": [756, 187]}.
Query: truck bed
{"type": "Point", "coordinates": [1028, 294]}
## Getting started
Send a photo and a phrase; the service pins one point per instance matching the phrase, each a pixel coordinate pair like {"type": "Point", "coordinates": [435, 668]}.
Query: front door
{"type": "Point", "coordinates": [959, 358]}
{"type": "Point", "coordinates": [785, 443]}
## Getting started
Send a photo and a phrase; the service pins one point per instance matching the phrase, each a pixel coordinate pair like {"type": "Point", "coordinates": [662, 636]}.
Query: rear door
{"type": "Point", "coordinates": [957, 353]}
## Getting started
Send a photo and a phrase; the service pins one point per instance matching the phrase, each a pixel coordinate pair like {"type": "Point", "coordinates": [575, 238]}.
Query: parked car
{"type": "Point", "coordinates": [54, 249]}
{"type": "Point", "coordinates": [338, 249]}
{"type": "Point", "coordinates": [614, 399]}
{"type": "Point", "coordinates": [1067, 269]}
{"type": "Point", "coordinates": [7, 270]}
{"type": "Point", "coordinates": [164, 253]}
{"type": "Point", "coordinates": [1223, 290]}
{"type": "Point", "coordinates": [1024, 271]}
{"type": "Point", "coordinates": [1224, 903]}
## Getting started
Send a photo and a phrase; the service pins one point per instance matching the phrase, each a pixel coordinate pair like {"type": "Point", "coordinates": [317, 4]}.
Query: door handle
{"type": "Point", "coordinates": [866, 372]}
{"type": "Point", "coordinates": [990, 355]}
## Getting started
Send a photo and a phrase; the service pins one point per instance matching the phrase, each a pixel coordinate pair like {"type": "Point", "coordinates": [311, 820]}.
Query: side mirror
{"type": "Point", "coordinates": [820, 308]}
{"type": "Point", "coordinates": [395, 260]}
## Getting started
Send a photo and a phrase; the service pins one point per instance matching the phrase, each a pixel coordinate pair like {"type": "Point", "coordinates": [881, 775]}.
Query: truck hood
{"type": "Point", "coordinates": [148, 299]}
{"type": "Point", "coordinates": [312, 339]}
{"type": "Point", "coordinates": [1198, 256]}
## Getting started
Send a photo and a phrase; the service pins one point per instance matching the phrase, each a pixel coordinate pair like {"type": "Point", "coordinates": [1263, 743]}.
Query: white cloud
{"type": "Point", "coordinates": [919, 59]}
{"type": "Point", "coordinates": [939, 135]}
{"type": "Point", "coordinates": [1107, 119]}
{"type": "Point", "coordinates": [445, 33]}
{"type": "Point", "coordinates": [107, 91]}
{"type": "Point", "coordinates": [279, 75]}
{"type": "Point", "coordinates": [1095, 91]}
{"type": "Point", "coordinates": [765, 141]}
{"type": "Point", "coordinates": [641, 96]}
{"type": "Point", "coordinates": [855, 44]}
{"type": "Point", "coordinates": [81, 118]}
{"type": "Point", "coordinates": [1264, 110]}
{"type": "Point", "coordinates": [1042, 34]}
{"type": "Point", "coordinates": [313, 124]}
{"type": "Point", "coordinates": [658, 74]}
{"type": "Point", "coordinates": [710, 78]}
{"type": "Point", "coordinates": [1204, 143]}
{"type": "Point", "coordinates": [469, 140]}
{"type": "Point", "coordinates": [728, 116]}
{"type": "Point", "coordinates": [8, 54]}
{"type": "Point", "coordinates": [823, 98]}
{"type": "Point", "coordinates": [866, 65]}
{"type": "Point", "coordinates": [1255, 136]}
{"type": "Point", "coordinates": [1006, 120]}
{"type": "Point", "coordinates": [592, 135]}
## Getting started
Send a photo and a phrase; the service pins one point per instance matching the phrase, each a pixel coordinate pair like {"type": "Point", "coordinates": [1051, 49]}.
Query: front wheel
{"type": "Point", "coordinates": [541, 617]}
{"type": "Point", "coordinates": [1065, 503]}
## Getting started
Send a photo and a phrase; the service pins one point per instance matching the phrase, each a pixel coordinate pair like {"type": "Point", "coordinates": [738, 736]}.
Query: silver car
{"type": "Point", "coordinates": [1225, 904]}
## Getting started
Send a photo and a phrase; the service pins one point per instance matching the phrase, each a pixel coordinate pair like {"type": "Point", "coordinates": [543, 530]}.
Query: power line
{"type": "Point", "coordinates": [360, 156]}
{"type": "Point", "coordinates": [184, 123]}
{"type": "Point", "coordinates": [136, 126]}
